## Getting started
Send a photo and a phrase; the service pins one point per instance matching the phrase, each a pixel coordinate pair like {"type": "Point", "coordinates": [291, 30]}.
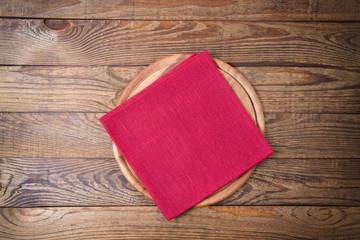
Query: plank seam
{"type": "Point", "coordinates": [250, 65]}
{"type": "Point", "coordinates": [125, 206]}
{"type": "Point", "coordinates": [187, 20]}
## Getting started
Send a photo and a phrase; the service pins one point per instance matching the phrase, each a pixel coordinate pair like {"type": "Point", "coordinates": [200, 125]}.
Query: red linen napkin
{"type": "Point", "coordinates": [186, 135]}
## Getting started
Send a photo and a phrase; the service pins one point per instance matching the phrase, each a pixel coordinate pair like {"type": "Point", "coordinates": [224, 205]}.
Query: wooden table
{"type": "Point", "coordinates": [58, 176]}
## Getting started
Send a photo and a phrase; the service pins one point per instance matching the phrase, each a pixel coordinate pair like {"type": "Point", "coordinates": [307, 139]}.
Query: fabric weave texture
{"type": "Point", "coordinates": [186, 135]}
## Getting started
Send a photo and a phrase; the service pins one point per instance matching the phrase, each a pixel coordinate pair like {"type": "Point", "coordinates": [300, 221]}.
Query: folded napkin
{"type": "Point", "coordinates": [186, 135]}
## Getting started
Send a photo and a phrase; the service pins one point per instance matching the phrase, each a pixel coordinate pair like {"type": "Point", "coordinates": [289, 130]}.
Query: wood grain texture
{"type": "Point", "coordinates": [62, 89]}
{"type": "Point", "coordinates": [95, 89]}
{"type": "Point", "coordinates": [257, 10]}
{"type": "Point", "coordinates": [32, 182]}
{"type": "Point", "coordinates": [301, 56]}
{"type": "Point", "coordinates": [204, 223]}
{"type": "Point", "coordinates": [100, 42]}
{"type": "Point", "coordinates": [81, 135]}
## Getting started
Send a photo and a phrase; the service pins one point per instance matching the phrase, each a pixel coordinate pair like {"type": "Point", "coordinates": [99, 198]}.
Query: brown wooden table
{"type": "Point", "coordinates": [58, 176]}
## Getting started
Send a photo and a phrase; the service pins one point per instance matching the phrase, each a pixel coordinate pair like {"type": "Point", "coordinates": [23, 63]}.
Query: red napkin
{"type": "Point", "coordinates": [186, 135]}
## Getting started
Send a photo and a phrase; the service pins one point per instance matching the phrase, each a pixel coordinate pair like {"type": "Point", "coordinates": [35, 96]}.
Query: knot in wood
{"type": "Point", "coordinates": [57, 24]}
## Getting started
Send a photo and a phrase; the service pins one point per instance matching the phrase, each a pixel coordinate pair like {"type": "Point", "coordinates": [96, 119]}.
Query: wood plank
{"type": "Point", "coordinates": [95, 89]}
{"type": "Point", "coordinates": [205, 223]}
{"type": "Point", "coordinates": [62, 89]}
{"type": "Point", "coordinates": [36, 182]}
{"type": "Point", "coordinates": [99, 42]}
{"type": "Point", "coordinates": [81, 135]}
{"type": "Point", "coordinates": [256, 10]}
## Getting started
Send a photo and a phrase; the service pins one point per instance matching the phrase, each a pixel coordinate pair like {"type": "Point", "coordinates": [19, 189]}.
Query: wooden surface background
{"type": "Point", "coordinates": [58, 177]}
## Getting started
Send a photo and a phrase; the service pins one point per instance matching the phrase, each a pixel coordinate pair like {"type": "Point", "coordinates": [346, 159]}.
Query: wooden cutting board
{"type": "Point", "coordinates": [239, 85]}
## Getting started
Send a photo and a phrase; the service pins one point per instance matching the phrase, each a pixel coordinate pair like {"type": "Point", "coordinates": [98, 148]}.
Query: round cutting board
{"type": "Point", "coordinates": [239, 85]}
